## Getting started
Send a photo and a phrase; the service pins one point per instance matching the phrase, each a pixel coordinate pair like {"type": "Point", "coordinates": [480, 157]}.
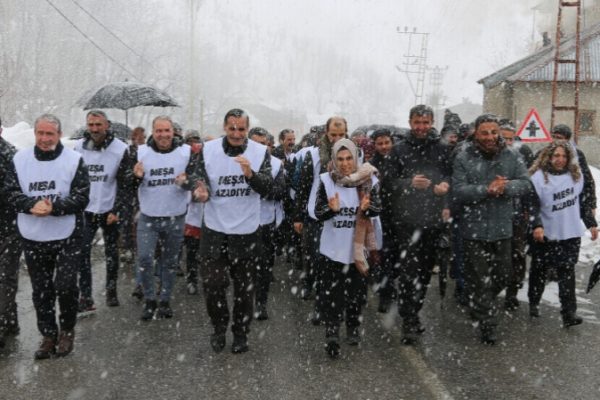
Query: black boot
{"type": "Point", "coordinates": [240, 344]}
{"type": "Point", "coordinates": [149, 309]}
{"type": "Point", "coordinates": [164, 310]}
{"type": "Point", "coordinates": [488, 334]}
{"type": "Point", "coordinates": [111, 298]}
{"type": "Point", "coordinates": [571, 319]}
{"type": "Point", "coordinates": [534, 310]}
{"type": "Point", "coordinates": [217, 341]}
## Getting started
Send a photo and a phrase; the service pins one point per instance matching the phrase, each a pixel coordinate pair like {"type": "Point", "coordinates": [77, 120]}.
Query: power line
{"type": "Point", "coordinates": [115, 35]}
{"type": "Point", "coordinates": [91, 41]}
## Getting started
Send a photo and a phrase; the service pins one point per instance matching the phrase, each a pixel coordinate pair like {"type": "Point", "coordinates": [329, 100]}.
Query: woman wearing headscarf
{"type": "Point", "coordinates": [348, 203]}
{"type": "Point", "coordinates": [560, 215]}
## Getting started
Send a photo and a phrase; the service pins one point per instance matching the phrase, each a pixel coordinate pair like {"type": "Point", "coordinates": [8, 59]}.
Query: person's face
{"type": "Point", "coordinates": [162, 133]}
{"type": "Point", "coordinates": [383, 145]}
{"type": "Point", "coordinates": [558, 136]}
{"type": "Point", "coordinates": [192, 140]}
{"type": "Point", "coordinates": [259, 139]}
{"type": "Point", "coordinates": [420, 125]}
{"type": "Point", "coordinates": [452, 139]}
{"type": "Point", "coordinates": [558, 160]}
{"type": "Point", "coordinates": [336, 132]}
{"type": "Point", "coordinates": [345, 162]}
{"type": "Point", "coordinates": [97, 126]}
{"type": "Point", "coordinates": [288, 141]}
{"type": "Point", "coordinates": [47, 135]}
{"type": "Point", "coordinates": [236, 129]}
{"type": "Point", "coordinates": [138, 138]}
{"type": "Point", "coordinates": [508, 136]}
{"type": "Point", "coordinates": [487, 135]}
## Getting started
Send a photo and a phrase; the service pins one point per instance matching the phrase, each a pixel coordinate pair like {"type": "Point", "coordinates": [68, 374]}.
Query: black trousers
{"type": "Point", "coordinates": [311, 240]}
{"type": "Point", "coordinates": [563, 255]}
{"type": "Point", "coordinates": [264, 271]}
{"type": "Point", "coordinates": [191, 256]}
{"type": "Point", "coordinates": [110, 233]}
{"type": "Point", "coordinates": [389, 266]}
{"type": "Point", "coordinates": [417, 258]}
{"type": "Point", "coordinates": [10, 251]}
{"type": "Point", "coordinates": [519, 266]}
{"type": "Point", "coordinates": [216, 274]}
{"type": "Point", "coordinates": [488, 270]}
{"type": "Point", "coordinates": [343, 290]}
{"type": "Point", "coordinates": [53, 268]}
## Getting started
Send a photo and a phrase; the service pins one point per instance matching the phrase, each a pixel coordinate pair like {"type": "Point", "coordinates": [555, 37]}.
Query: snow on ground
{"type": "Point", "coordinates": [21, 136]}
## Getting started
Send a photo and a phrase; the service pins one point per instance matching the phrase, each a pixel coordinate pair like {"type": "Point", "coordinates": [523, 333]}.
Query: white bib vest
{"type": "Point", "coordinates": [271, 210]}
{"type": "Point", "coordinates": [158, 194]}
{"type": "Point", "coordinates": [102, 166]}
{"type": "Point", "coordinates": [195, 214]}
{"type": "Point", "coordinates": [233, 207]}
{"type": "Point", "coordinates": [559, 200]}
{"type": "Point", "coordinates": [46, 179]}
{"type": "Point", "coordinates": [312, 198]}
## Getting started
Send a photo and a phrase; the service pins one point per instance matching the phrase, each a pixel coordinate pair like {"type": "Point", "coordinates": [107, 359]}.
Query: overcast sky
{"type": "Point", "coordinates": [473, 38]}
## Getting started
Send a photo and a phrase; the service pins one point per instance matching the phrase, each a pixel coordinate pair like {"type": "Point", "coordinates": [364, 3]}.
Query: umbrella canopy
{"type": "Point", "coordinates": [126, 95]}
{"type": "Point", "coordinates": [594, 276]}
{"type": "Point", "coordinates": [121, 131]}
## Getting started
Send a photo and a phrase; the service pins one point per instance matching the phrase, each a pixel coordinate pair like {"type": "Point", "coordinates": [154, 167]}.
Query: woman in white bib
{"type": "Point", "coordinates": [559, 218]}
{"type": "Point", "coordinates": [347, 202]}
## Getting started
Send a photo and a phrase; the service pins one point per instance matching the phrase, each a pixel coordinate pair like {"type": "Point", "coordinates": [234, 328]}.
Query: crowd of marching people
{"type": "Point", "coordinates": [382, 209]}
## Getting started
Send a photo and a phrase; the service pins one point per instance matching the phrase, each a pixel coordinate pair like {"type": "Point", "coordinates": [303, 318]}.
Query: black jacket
{"type": "Point", "coordinates": [428, 157]}
{"type": "Point", "coordinates": [388, 173]}
{"type": "Point", "coordinates": [8, 216]}
{"type": "Point", "coordinates": [74, 203]}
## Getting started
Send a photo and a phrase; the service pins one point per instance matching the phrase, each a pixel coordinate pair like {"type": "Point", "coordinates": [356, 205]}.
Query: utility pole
{"type": "Point", "coordinates": [192, 62]}
{"type": "Point", "coordinates": [415, 61]}
{"type": "Point", "coordinates": [436, 97]}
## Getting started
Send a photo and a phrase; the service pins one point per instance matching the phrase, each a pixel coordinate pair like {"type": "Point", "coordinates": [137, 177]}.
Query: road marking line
{"type": "Point", "coordinates": [430, 379]}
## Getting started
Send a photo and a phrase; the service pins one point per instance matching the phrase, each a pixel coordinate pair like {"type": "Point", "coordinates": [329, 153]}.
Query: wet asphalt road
{"type": "Point", "coordinates": [117, 356]}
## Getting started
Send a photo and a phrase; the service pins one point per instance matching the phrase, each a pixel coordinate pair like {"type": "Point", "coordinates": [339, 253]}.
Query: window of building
{"type": "Point", "coordinates": [586, 121]}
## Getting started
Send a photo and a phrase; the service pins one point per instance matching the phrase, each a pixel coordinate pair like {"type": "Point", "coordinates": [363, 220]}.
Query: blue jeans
{"type": "Point", "coordinates": [170, 232]}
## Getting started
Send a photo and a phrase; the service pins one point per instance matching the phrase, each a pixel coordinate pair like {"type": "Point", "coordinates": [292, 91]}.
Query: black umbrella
{"type": "Point", "coordinates": [594, 276]}
{"type": "Point", "coordinates": [121, 131]}
{"type": "Point", "coordinates": [126, 95]}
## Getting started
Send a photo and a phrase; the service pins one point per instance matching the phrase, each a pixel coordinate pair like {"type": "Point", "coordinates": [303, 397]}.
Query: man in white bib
{"type": "Point", "coordinates": [107, 159]}
{"type": "Point", "coordinates": [49, 187]}
{"type": "Point", "coordinates": [164, 172]}
{"type": "Point", "coordinates": [236, 172]}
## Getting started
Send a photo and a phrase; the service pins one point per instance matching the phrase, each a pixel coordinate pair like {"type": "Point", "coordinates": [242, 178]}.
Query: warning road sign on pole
{"type": "Point", "coordinates": [532, 129]}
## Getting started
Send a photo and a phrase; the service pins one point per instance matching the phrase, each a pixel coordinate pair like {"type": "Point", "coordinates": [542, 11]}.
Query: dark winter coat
{"type": "Point", "coordinates": [428, 157]}
{"type": "Point", "coordinates": [485, 217]}
{"type": "Point", "coordinates": [8, 215]}
{"type": "Point", "coordinates": [74, 203]}
{"type": "Point", "coordinates": [388, 173]}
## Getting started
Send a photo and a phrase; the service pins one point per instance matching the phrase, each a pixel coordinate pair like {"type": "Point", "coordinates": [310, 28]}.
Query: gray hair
{"type": "Point", "coordinates": [163, 118]}
{"type": "Point", "coordinates": [53, 119]}
{"type": "Point", "coordinates": [96, 113]}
